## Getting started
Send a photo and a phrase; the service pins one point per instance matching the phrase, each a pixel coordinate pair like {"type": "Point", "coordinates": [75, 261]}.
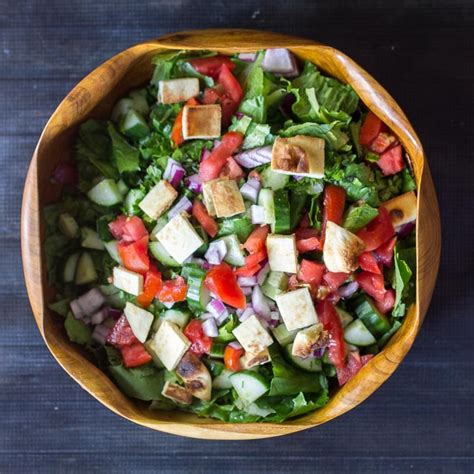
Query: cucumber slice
{"type": "Point", "coordinates": [217, 350]}
{"type": "Point", "coordinates": [122, 187]}
{"type": "Point", "coordinates": [198, 296]}
{"type": "Point", "coordinates": [222, 381]}
{"type": "Point", "coordinates": [132, 199]}
{"type": "Point", "coordinates": [85, 271]}
{"type": "Point", "coordinates": [265, 199]}
{"type": "Point", "coordinates": [234, 255]}
{"type": "Point", "coordinates": [134, 125]}
{"type": "Point", "coordinates": [282, 211]}
{"type": "Point", "coordinates": [273, 180]}
{"type": "Point", "coordinates": [90, 239]}
{"type": "Point", "coordinates": [160, 223]}
{"type": "Point", "coordinates": [139, 319]}
{"type": "Point", "coordinates": [160, 253]}
{"type": "Point", "coordinates": [275, 283]}
{"type": "Point", "coordinates": [70, 267]}
{"type": "Point", "coordinates": [249, 385]}
{"type": "Point", "coordinates": [120, 109]}
{"type": "Point", "coordinates": [376, 322]}
{"type": "Point", "coordinates": [283, 336]}
{"type": "Point", "coordinates": [297, 203]}
{"type": "Point", "coordinates": [180, 318]}
{"type": "Point", "coordinates": [68, 225]}
{"type": "Point", "coordinates": [385, 338]}
{"type": "Point", "coordinates": [112, 250]}
{"type": "Point", "coordinates": [240, 226]}
{"type": "Point", "coordinates": [309, 365]}
{"type": "Point", "coordinates": [356, 333]}
{"type": "Point", "coordinates": [205, 239]}
{"type": "Point", "coordinates": [344, 316]}
{"type": "Point", "coordinates": [105, 193]}
{"type": "Point", "coordinates": [140, 104]}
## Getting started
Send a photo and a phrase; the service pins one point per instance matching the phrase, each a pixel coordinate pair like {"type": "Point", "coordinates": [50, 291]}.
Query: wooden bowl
{"type": "Point", "coordinates": [94, 96]}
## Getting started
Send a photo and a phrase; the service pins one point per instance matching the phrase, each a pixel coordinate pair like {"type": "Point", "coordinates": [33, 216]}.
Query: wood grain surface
{"type": "Point", "coordinates": [50, 425]}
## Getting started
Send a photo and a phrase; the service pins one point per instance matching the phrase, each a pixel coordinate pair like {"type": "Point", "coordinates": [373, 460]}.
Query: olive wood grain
{"type": "Point", "coordinates": [94, 96]}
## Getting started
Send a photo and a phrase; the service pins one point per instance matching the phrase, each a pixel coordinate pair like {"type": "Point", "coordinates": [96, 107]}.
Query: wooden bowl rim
{"type": "Point", "coordinates": [379, 101]}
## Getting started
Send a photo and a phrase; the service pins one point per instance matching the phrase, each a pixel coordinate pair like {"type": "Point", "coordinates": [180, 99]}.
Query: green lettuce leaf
{"type": "Point", "coordinates": [126, 156]}
{"type": "Point", "coordinates": [405, 267]}
{"type": "Point", "coordinates": [257, 135]}
{"type": "Point", "coordinates": [77, 331]}
{"type": "Point", "coordinates": [358, 216]}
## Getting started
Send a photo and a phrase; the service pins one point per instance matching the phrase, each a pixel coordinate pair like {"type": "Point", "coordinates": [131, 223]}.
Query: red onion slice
{"type": "Point", "coordinates": [259, 303]}
{"type": "Point", "coordinates": [254, 157]}
{"type": "Point", "coordinates": [87, 304]}
{"type": "Point", "coordinates": [348, 290]}
{"type": "Point", "coordinates": [249, 192]}
{"type": "Point", "coordinates": [101, 333]}
{"type": "Point", "coordinates": [262, 274]}
{"type": "Point", "coordinates": [194, 183]}
{"type": "Point", "coordinates": [216, 252]}
{"type": "Point", "coordinates": [248, 311]}
{"type": "Point", "coordinates": [235, 345]}
{"type": "Point", "coordinates": [257, 214]}
{"type": "Point", "coordinates": [247, 280]}
{"type": "Point", "coordinates": [210, 327]}
{"type": "Point", "coordinates": [247, 57]}
{"type": "Point", "coordinates": [183, 205]}
{"type": "Point", "coordinates": [280, 61]}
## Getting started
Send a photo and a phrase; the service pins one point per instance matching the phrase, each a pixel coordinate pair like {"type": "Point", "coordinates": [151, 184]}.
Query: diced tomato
{"type": "Point", "coordinates": [205, 220]}
{"type": "Point", "coordinates": [304, 221]}
{"type": "Point", "coordinates": [384, 253]}
{"type": "Point", "coordinates": [370, 129]}
{"type": "Point", "coordinates": [354, 363]}
{"type": "Point", "coordinates": [230, 84]}
{"type": "Point", "coordinates": [311, 272]}
{"type": "Point", "coordinates": [200, 343]}
{"type": "Point", "coordinates": [254, 174]}
{"type": "Point", "coordinates": [222, 282]}
{"type": "Point", "coordinates": [330, 319]}
{"type": "Point", "coordinates": [256, 240]}
{"type": "Point", "coordinates": [232, 358]}
{"type": "Point", "coordinates": [377, 231]}
{"type": "Point", "coordinates": [248, 270]}
{"type": "Point", "coordinates": [256, 257]}
{"type": "Point", "coordinates": [134, 255]}
{"type": "Point", "coordinates": [387, 303]}
{"type": "Point", "coordinates": [391, 162]}
{"type": "Point", "coordinates": [368, 262]}
{"type": "Point", "coordinates": [211, 96]}
{"type": "Point", "coordinates": [335, 279]}
{"type": "Point", "coordinates": [308, 239]}
{"type": "Point", "coordinates": [228, 108]}
{"type": "Point", "coordinates": [231, 170]}
{"type": "Point", "coordinates": [210, 168]}
{"type": "Point", "coordinates": [333, 205]}
{"type": "Point", "coordinates": [134, 355]}
{"type": "Point", "coordinates": [382, 142]}
{"type": "Point", "coordinates": [65, 173]}
{"type": "Point", "coordinates": [122, 334]}
{"type": "Point", "coordinates": [151, 287]}
{"type": "Point", "coordinates": [333, 297]}
{"type": "Point", "coordinates": [211, 66]}
{"type": "Point", "coordinates": [365, 358]}
{"type": "Point", "coordinates": [177, 130]}
{"type": "Point", "coordinates": [372, 284]}
{"type": "Point", "coordinates": [173, 291]}
{"type": "Point", "coordinates": [128, 229]}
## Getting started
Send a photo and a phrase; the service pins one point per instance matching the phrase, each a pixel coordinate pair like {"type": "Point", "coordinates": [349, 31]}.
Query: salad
{"type": "Point", "coordinates": [237, 240]}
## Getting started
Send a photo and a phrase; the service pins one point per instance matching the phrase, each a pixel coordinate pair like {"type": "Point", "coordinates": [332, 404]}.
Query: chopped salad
{"type": "Point", "coordinates": [237, 239]}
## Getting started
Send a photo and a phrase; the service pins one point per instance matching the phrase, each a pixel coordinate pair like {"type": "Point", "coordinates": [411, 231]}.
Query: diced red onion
{"type": "Point", "coordinates": [235, 345]}
{"type": "Point", "coordinates": [206, 266]}
{"type": "Point", "coordinates": [275, 315]}
{"type": "Point", "coordinates": [249, 192]}
{"type": "Point", "coordinates": [87, 304]}
{"type": "Point", "coordinates": [183, 205]}
{"type": "Point", "coordinates": [247, 57]}
{"type": "Point", "coordinates": [239, 115]}
{"type": "Point", "coordinates": [99, 316]}
{"type": "Point", "coordinates": [272, 304]}
{"type": "Point", "coordinates": [247, 290]}
{"type": "Point", "coordinates": [205, 154]}
{"type": "Point", "coordinates": [298, 178]}
{"type": "Point", "coordinates": [262, 274]}
{"type": "Point", "coordinates": [247, 280]}
{"type": "Point", "coordinates": [65, 173]}
{"type": "Point", "coordinates": [216, 252]}
{"type": "Point", "coordinates": [254, 157]}
{"type": "Point", "coordinates": [210, 327]}
{"type": "Point", "coordinates": [217, 308]}
{"type": "Point", "coordinates": [273, 323]}
{"type": "Point", "coordinates": [216, 144]}
{"type": "Point", "coordinates": [239, 311]}
{"type": "Point", "coordinates": [114, 313]}
{"type": "Point", "coordinates": [259, 302]}
{"type": "Point", "coordinates": [348, 290]}
{"type": "Point", "coordinates": [101, 333]}
{"type": "Point", "coordinates": [206, 316]}
{"type": "Point", "coordinates": [174, 172]}
{"type": "Point", "coordinates": [194, 183]}
{"type": "Point", "coordinates": [248, 311]}
{"type": "Point", "coordinates": [257, 214]}
{"type": "Point", "coordinates": [255, 183]}
{"type": "Point", "coordinates": [280, 61]}
{"type": "Point", "coordinates": [405, 230]}
{"type": "Point", "coordinates": [319, 352]}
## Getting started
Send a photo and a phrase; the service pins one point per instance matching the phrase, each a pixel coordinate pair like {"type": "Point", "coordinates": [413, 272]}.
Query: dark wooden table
{"type": "Point", "coordinates": [422, 419]}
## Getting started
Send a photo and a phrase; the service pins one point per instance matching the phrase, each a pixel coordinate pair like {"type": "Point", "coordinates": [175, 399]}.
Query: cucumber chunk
{"type": "Point", "coordinates": [85, 271]}
{"type": "Point", "coordinates": [131, 201]}
{"type": "Point", "coordinates": [105, 193]}
{"type": "Point", "coordinates": [60, 307]}
{"type": "Point", "coordinates": [122, 187]}
{"type": "Point", "coordinates": [356, 333]}
{"type": "Point", "coordinates": [120, 109]}
{"type": "Point", "coordinates": [217, 350]}
{"type": "Point", "coordinates": [249, 385]}
{"type": "Point", "coordinates": [112, 250]}
{"type": "Point", "coordinates": [234, 254]}
{"type": "Point", "coordinates": [273, 180]}
{"type": "Point", "coordinates": [70, 267]}
{"type": "Point", "coordinates": [274, 284]}
{"type": "Point", "coordinates": [309, 364]}
{"type": "Point", "coordinates": [283, 336]}
{"type": "Point", "coordinates": [222, 381]}
{"type": "Point", "coordinates": [161, 254]}
{"type": "Point", "coordinates": [344, 316]}
{"type": "Point", "coordinates": [90, 239]}
{"type": "Point", "coordinates": [180, 318]}
{"type": "Point", "coordinates": [282, 211]}
{"type": "Point", "coordinates": [140, 104]}
{"type": "Point", "coordinates": [68, 225]}
{"type": "Point", "coordinates": [134, 125]}
{"type": "Point", "coordinates": [265, 199]}
{"type": "Point", "coordinates": [376, 322]}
